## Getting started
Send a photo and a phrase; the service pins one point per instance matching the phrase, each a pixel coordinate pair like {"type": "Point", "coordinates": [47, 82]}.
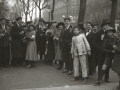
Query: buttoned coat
{"type": "Point", "coordinates": [80, 45]}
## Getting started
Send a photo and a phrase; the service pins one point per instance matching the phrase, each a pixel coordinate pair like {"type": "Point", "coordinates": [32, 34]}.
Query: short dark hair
{"type": "Point", "coordinates": [90, 23]}
{"type": "Point", "coordinates": [67, 19]}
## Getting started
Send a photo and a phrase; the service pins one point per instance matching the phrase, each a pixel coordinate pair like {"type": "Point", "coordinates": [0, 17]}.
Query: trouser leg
{"type": "Point", "coordinates": [83, 62]}
{"type": "Point", "coordinates": [90, 65]}
{"type": "Point", "coordinates": [76, 66]}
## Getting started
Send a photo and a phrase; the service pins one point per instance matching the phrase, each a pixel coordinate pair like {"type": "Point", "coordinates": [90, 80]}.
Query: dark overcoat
{"type": "Point", "coordinates": [16, 41]}
{"type": "Point", "coordinates": [116, 62]}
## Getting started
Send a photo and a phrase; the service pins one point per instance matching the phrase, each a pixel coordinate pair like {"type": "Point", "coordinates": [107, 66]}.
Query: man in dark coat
{"type": "Point", "coordinates": [4, 44]}
{"type": "Point", "coordinates": [89, 36]}
{"type": "Point", "coordinates": [98, 43]}
{"type": "Point", "coordinates": [67, 43]}
{"type": "Point", "coordinates": [16, 34]}
{"type": "Point", "coordinates": [41, 38]}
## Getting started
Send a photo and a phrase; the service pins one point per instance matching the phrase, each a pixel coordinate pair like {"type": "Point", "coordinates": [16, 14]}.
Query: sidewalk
{"type": "Point", "coordinates": [110, 86]}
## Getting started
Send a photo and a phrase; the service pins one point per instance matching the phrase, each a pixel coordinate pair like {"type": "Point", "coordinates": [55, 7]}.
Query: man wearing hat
{"type": "Point", "coordinates": [67, 43]}
{"type": "Point", "coordinates": [16, 34]}
{"type": "Point", "coordinates": [4, 44]}
{"type": "Point", "coordinates": [41, 38]}
{"type": "Point", "coordinates": [97, 44]}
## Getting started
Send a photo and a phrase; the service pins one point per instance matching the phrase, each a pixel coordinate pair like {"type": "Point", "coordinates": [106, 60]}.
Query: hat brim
{"type": "Point", "coordinates": [113, 30]}
{"type": "Point", "coordinates": [105, 24]}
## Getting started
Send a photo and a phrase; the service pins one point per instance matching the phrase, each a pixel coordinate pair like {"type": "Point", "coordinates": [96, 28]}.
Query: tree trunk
{"type": "Point", "coordinates": [39, 13]}
{"type": "Point", "coordinates": [113, 13]}
{"type": "Point", "coordinates": [82, 10]}
{"type": "Point", "coordinates": [52, 12]}
{"type": "Point", "coordinates": [26, 17]}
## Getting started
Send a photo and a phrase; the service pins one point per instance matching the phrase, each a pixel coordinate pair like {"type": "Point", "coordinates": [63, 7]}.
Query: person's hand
{"type": "Point", "coordinates": [22, 32]}
{"type": "Point", "coordinates": [89, 53]}
{"type": "Point", "coordinates": [72, 56]}
{"type": "Point", "coordinates": [114, 46]}
{"type": "Point", "coordinates": [2, 34]}
{"type": "Point", "coordinates": [113, 51]}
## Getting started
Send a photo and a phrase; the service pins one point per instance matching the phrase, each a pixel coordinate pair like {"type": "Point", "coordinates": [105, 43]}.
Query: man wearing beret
{"type": "Point", "coordinates": [41, 38]}
{"type": "Point", "coordinates": [4, 44]}
{"type": "Point", "coordinates": [67, 43]}
{"type": "Point", "coordinates": [98, 43]}
{"type": "Point", "coordinates": [16, 34]}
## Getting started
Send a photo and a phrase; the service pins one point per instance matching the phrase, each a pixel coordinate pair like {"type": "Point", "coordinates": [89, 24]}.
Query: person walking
{"type": "Point", "coordinates": [79, 50]}
{"type": "Point", "coordinates": [116, 60]}
{"type": "Point", "coordinates": [98, 43]}
{"type": "Point", "coordinates": [31, 52]}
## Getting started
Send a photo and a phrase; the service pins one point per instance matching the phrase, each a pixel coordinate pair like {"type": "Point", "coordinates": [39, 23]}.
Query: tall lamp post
{"type": "Point", "coordinates": [49, 12]}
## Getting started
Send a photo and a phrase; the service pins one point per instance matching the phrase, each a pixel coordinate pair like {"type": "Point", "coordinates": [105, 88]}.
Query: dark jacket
{"type": "Point", "coordinates": [108, 45]}
{"type": "Point", "coordinates": [4, 40]}
{"type": "Point", "coordinates": [68, 34]}
{"type": "Point", "coordinates": [116, 62]}
{"type": "Point", "coordinates": [90, 39]}
{"type": "Point", "coordinates": [15, 33]}
{"type": "Point", "coordinates": [98, 40]}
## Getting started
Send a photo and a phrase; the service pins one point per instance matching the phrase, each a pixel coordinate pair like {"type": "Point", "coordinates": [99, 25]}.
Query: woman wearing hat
{"type": "Point", "coordinates": [58, 56]}
{"type": "Point", "coordinates": [31, 52]}
{"type": "Point", "coordinates": [108, 49]}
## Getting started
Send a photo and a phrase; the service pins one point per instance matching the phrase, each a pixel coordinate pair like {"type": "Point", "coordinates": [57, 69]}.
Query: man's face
{"type": "Point", "coordinates": [89, 26]}
{"type": "Point", "coordinates": [67, 22]}
{"type": "Point", "coordinates": [54, 24]}
{"type": "Point", "coordinates": [105, 26]}
{"type": "Point", "coordinates": [25, 28]}
{"type": "Point", "coordinates": [60, 27]}
{"type": "Point", "coordinates": [19, 22]}
{"type": "Point", "coordinates": [41, 23]}
{"type": "Point", "coordinates": [95, 28]}
{"type": "Point", "coordinates": [3, 22]}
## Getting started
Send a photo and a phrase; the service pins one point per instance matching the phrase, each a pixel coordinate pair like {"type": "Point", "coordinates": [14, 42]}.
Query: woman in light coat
{"type": "Point", "coordinates": [79, 50]}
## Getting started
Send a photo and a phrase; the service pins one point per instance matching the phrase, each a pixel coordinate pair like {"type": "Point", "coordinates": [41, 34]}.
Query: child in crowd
{"type": "Point", "coordinates": [79, 50]}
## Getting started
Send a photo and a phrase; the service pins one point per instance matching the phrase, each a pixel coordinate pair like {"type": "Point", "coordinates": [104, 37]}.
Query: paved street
{"type": "Point", "coordinates": [45, 77]}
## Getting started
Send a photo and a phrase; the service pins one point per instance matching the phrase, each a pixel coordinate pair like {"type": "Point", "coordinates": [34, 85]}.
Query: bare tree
{"type": "Point", "coordinates": [82, 11]}
{"type": "Point", "coordinates": [3, 8]}
{"type": "Point", "coordinates": [52, 12]}
{"type": "Point", "coordinates": [39, 4]}
{"type": "Point", "coordinates": [113, 12]}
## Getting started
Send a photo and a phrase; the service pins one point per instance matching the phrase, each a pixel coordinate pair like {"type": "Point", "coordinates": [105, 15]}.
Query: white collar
{"type": "Point", "coordinates": [68, 26]}
{"type": "Point", "coordinates": [17, 24]}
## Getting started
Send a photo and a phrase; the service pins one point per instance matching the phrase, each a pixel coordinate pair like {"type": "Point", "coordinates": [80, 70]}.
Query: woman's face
{"type": "Point", "coordinates": [31, 28]}
{"type": "Point", "coordinates": [110, 34]}
{"type": "Point", "coordinates": [60, 27]}
{"type": "Point", "coordinates": [76, 31]}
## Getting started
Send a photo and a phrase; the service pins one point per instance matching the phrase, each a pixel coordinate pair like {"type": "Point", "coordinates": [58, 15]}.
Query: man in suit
{"type": "Point", "coordinates": [41, 38]}
{"type": "Point", "coordinates": [89, 36]}
{"type": "Point", "coordinates": [16, 34]}
{"type": "Point", "coordinates": [67, 43]}
{"type": "Point", "coordinates": [98, 43]}
{"type": "Point", "coordinates": [4, 44]}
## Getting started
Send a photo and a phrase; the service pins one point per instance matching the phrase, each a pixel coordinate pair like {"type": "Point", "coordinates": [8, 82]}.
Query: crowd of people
{"type": "Point", "coordinates": [76, 49]}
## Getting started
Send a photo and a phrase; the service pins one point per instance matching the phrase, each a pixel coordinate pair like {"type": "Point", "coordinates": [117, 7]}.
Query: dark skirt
{"type": "Point", "coordinates": [116, 64]}
{"type": "Point", "coordinates": [51, 52]}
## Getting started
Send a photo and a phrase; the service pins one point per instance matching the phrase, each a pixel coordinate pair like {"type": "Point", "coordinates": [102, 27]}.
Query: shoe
{"type": "Point", "coordinates": [97, 82]}
{"type": "Point", "coordinates": [85, 81]}
{"type": "Point", "coordinates": [7, 66]}
{"type": "Point", "coordinates": [29, 66]}
{"type": "Point", "coordinates": [89, 77]}
{"type": "Point", "coordinates": [66, 71]}
{"type": "Point", "coordinates": [69, 73]}
{"type": "Point", "coordinates": [75, 79]}
{"type": "Point", "coordinates": [107, 81]}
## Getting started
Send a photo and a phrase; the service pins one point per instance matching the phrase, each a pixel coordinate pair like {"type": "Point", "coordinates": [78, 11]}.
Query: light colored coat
{"type": "Point", "coordinates": [80, 45]}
